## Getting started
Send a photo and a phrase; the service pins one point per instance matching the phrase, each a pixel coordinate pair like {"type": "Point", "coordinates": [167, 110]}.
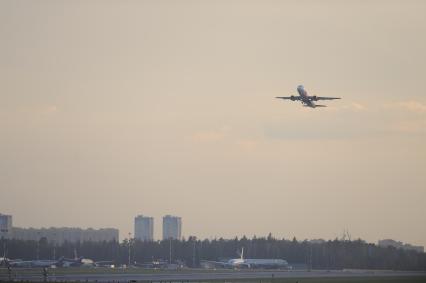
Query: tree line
{"type": "Point", "coordinates": [332, 254]}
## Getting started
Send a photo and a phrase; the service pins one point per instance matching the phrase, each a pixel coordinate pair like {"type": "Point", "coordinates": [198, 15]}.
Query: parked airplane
{"type": "Point", "coordinates": [85, 262]}
{"type": "Point", "coordinates": [307, 100]}
{"type": "Point", "coordinates": [62, 262]}
{"type": "Point", "coordinates": [3, 261]}
{"type": "Point", "coordinates": [77, 262]}
{"type": "Point", "coordinates": [250, 262]}
{"type": "Point", "coordinates": [31, 263]}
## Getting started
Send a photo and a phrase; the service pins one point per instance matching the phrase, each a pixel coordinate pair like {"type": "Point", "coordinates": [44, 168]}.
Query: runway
{"type": "Point", "coordinates": [180, 276]}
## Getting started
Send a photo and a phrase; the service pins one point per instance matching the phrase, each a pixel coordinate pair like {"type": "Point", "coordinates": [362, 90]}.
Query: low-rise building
{"type": "Point", "coordinates": [65, 234]}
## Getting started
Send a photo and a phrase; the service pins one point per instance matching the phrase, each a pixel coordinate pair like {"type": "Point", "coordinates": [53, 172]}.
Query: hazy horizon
{"type": "Point", "coordinates": [110, 109]}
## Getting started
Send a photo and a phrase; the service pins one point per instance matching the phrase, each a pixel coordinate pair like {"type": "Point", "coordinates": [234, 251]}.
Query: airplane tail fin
{"type": "Point", "coordinates": [60, 261]}
{"type": "Point", "coordinates": [242, 253]}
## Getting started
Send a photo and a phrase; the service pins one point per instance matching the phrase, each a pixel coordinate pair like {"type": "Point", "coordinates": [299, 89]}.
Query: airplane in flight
{"type": "Point", "coordinates": [307, 100]}
{"type": "Point", "coordinates": [242, 262]}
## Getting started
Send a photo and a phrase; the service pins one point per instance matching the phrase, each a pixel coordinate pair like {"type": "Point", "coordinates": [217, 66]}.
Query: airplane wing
{"type": "Point", "coordinates": [325, 98]}
{"type": "Point", "coordinates": [289, 97]}
{"type": "Point", "coordinates": [104, 263]}
{"type": "Point", "coordinates": [215, 263]}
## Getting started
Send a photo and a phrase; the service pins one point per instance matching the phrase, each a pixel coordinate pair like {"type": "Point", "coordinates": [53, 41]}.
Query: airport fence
{"type": "Point", "coordinates": [24, 274]}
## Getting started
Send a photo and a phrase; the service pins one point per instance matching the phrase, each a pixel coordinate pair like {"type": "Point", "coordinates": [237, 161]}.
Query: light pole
{"type": "Point", "coordinates": [170, 250]}
{"type": "Point", "coordinates": [4, 248]}
{"type": "Point", "coordinates": [54, 246]}
{"type": "Point", "coordinates": [310, 257]}
{"type": "Point", "coordinates": [38, 245]}
{"type": "Point", "coordinates": [193, 251]}
{"type": "Point", "coordinates": [129, 248]}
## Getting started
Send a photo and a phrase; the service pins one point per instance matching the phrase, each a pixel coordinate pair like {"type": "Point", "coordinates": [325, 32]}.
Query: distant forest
{"type": "Point", "coordinates": [334, 254]}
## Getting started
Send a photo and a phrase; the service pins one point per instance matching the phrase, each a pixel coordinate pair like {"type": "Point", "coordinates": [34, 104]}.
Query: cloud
{"type": "Point", "coordinates": [247, 145]}
{"type": "Point", "coordinates": [38, 110]}
{"type": "Point", "coordinates": [352, 106]}
{"type": "Point", "coordinates": [349, 121]}
{"type": "Point", "coordinates": [410, 105]}
{"type": "Point", "coordinates": [358, 106]}
{"type": "Point", "coordinates": [50, 109]}
{"type": "Point", "coordinates": [414, 106]}
{"type": "Point", "coordinates": [208, 136]}
{"type": "Point", "coordinates": [410, 127]}
{"type": "Point", "coordinates": [211, 135]}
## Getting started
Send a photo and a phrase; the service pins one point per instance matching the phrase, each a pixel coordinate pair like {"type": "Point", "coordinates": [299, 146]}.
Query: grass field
{"type": "Point", "coordinates": [291, 280]}
{"type": "Point", "coordinates": [337, 280]}
{"type": "Point", "coordinates": [106, 270]}
{"type": "Point", "coordinates": [52, 273]}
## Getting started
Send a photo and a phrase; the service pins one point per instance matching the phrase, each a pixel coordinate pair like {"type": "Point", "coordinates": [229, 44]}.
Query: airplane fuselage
{"type": "Point", "coordinates": [250, 262]}
{"type": "Point", "coordinates": [257, 263]}
{"type": "Point", "coordinates": [304, 98]}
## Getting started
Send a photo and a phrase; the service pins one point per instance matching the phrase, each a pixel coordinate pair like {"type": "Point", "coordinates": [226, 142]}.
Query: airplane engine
{"type": "Point", "coordinates": [314, 98]}
{"type": "Point", "coordinates": [292, 98]}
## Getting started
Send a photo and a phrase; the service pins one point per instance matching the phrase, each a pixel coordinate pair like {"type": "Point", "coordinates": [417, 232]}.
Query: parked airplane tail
{"type": "Point", "coordinates": [242, 253]}
{"type": "Point", "coordinates": [60, 260]}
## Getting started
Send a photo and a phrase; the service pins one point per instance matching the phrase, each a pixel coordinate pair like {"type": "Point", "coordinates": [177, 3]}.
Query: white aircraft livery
{"type": "Point", "coordinates": [307, 101]}
{"type": "Point", "coordinates": [30, 263]}
{"type": "Point", "coordinates": [250, 262]}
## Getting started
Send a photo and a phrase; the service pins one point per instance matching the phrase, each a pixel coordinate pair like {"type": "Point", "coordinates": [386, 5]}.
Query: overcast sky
{"type": "Point", "coordinates": [109, 109]}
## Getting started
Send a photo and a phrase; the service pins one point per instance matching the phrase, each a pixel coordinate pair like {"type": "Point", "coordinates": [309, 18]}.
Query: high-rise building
{"type": "Point", "coordinates": [5, 226]}
{"type": "Point", "coordinates": [144, 228]}
{"type": "Point", "coordinates": [172, 227]}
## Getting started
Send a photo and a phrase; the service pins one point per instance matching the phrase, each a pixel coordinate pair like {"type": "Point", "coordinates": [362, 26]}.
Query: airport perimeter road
{"type": "Point", "coordinates": [219, 275]}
